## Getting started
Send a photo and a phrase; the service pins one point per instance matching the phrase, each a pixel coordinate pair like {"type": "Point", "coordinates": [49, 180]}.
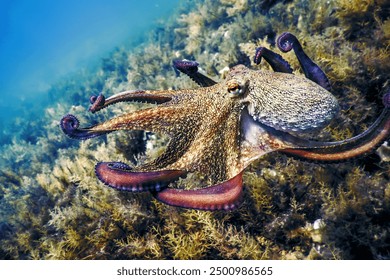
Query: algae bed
{"type": "Point", "coordinates": [53, 207]}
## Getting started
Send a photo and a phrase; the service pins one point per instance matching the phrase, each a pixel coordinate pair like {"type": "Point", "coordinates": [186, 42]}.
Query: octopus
{"type": "Point", "coordinates": [219, 129]}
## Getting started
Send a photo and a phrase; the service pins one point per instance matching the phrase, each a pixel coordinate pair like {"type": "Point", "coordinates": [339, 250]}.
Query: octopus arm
{"type": "Point", "coordinates": [223, 196]}
{"type": "Point", "coordinates": [359, 145]}
{"type": "Point", "coordinates": [149, 96]}
{"type": "Point", "coordinates": [190, 68]}
{"type": "Point", "coordinates": [158, 119]}
{"type": "Point", "coordinates": [121, 177]}
{"type": "Point", "coordinates": [287, 42]}
{"type": "Point", "coordinates": [277, 63]}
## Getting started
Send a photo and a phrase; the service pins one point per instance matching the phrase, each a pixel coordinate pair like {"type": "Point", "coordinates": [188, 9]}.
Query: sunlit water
{"type": "Point", "coordinates": [43, 41]}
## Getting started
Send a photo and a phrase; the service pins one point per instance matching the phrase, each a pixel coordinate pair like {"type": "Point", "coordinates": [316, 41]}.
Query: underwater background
{"type": "Point", "coordinates": [53, 207]}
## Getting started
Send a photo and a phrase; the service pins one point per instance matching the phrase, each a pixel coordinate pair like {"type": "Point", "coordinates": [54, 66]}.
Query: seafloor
{"type": "Point", "coordinates": [53, 207]}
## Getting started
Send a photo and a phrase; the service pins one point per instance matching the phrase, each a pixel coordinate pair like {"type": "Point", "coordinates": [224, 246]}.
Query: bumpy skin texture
{"type": "Point", "coordinates": [293, 104]}
{"type": "Point", "coordinates": [220, 128]}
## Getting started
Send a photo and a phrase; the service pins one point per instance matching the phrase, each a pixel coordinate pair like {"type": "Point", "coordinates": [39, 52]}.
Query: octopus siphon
{"type": "Point", "coordinates": [219, 129]}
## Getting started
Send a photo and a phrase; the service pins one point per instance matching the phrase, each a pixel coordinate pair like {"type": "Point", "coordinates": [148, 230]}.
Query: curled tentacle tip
{"type": "Point", "coordinates": [92, 99]}
{"type": "Point", "coordinates": [185, 62]}
{"type": "Point", "coordinates": [386, 99]}
{"type": "Point", "coordinates": [285, 41]}
{"type": "Point", "coordinates": [258, 55]}
{"type": "Point", "coordinates": [187, 66]}
{"type": "Point", "coordinates": [69, 124]}
{"type": "Point", "coordinates": [97, 102]}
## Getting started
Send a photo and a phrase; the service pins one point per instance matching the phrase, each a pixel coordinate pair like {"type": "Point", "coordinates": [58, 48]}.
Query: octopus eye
{"type": "Point", "coordinates": [235, 88]}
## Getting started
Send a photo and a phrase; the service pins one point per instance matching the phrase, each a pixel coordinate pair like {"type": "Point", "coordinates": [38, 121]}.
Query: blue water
{"type": "Point", "coordinates": [42, 41]}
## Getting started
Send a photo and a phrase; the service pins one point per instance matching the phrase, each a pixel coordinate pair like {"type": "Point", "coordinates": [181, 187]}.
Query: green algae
{"type": "Point", "coordinates": [53, 207]}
